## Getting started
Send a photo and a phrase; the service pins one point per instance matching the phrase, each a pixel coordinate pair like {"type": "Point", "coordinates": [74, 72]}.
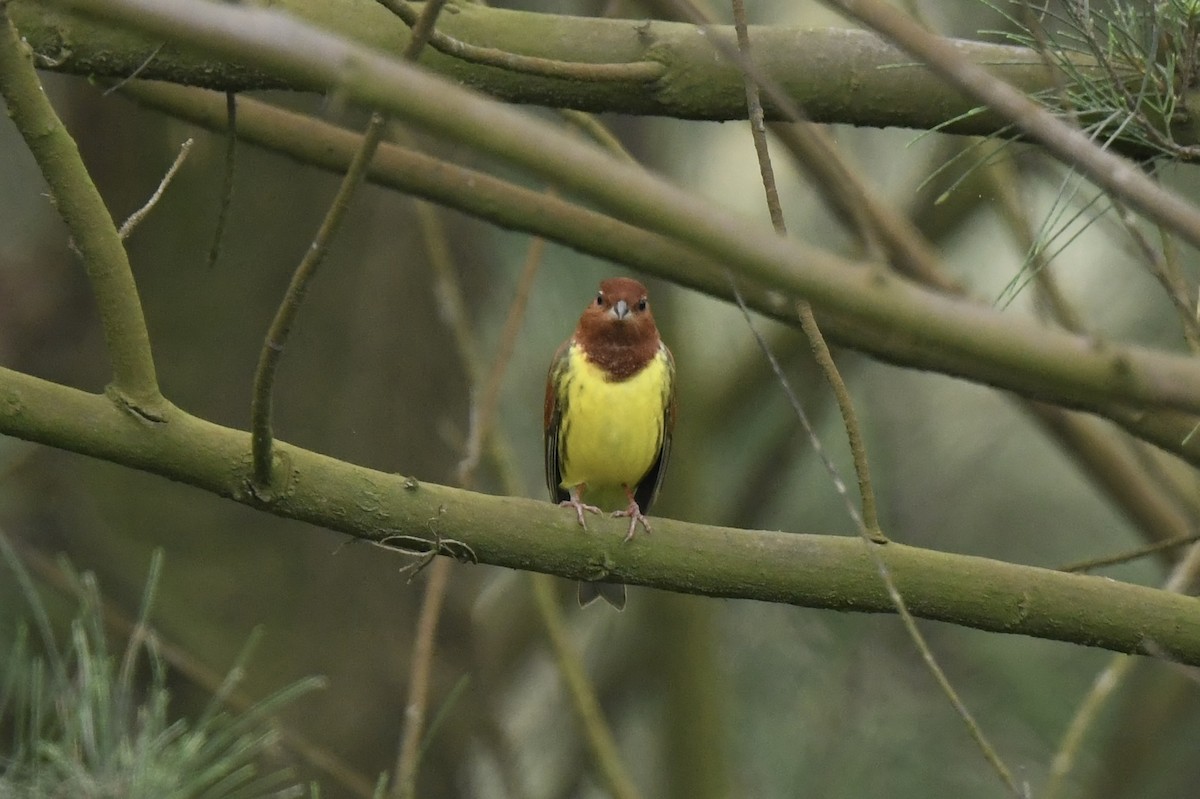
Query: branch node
{"type": "Point", "coordinates": [150, 411]}
{"type": "Point", "coordinates": [280, 482]}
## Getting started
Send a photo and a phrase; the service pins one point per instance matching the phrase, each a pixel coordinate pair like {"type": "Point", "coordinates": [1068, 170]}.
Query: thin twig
{"type": "Point", "coordinates": [869, 518]}
{"type": "Point", "coordinates": [137, 216]}
{"type": "Point", "coordinates": [634, 71]}
{"type": "Point", "coordinates": [868, 524]}
{"type": "Point", "coordinates": [1129, 555]}
{"type": "Point", "coordinates": [272, 351]}
{"type": "Point", "coordinates": [408, 759]}
{"type": "Point", "coordinates": [485, 401]}
{"type": "Point", "coordinates": [1106, 683]}
{"type": "Point", "coordinates": [871, 220]}
{"type": "Point", "coordinates": [1178, 293]}
{"type": "Point", "coordinates": [227, 181]}
{"type": "Point", "coordinates": [583, 697]}
{"type": "Point", "coordinates": [281, 326]}
{"type": "Point", "coordinates": [261, 415]}
{"type": "Point", "coordinates": [1173, 276]}
{"type": "Point", "coordinates": [137, 71]}
{"type": "Point", "coordinates": [595, 130]}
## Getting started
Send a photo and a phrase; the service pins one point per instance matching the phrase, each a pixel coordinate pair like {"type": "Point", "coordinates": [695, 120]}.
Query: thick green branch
{"type": "Point", "coordinates": [835, 75]}
{"type": "Point", "coordinates": [819, 571]}
{"type": "Point", "coordinates": [1123, 179]}
{"type": "Point", "coordinates": [92, 229]}
{"type": "Point", "coordinates": [317, 143]}
{"type": "Point", "coordinates": [1025, 357]}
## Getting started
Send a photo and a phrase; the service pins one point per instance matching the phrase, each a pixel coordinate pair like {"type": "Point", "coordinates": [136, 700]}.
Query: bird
{"type": "Point", "coordinates": [609, 415]}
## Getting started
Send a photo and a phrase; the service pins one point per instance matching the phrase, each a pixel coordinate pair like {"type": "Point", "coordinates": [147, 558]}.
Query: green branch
{"type": "Point", "coordinates": [820, 571]}
{"type": "Point", "coordinates": [1021, 356]}
{"type": "Point", "coordinates": [93, 232]}
{"type": "Point", "coordinates": [843, 76]}
{"type": "Point", "coordinates": [316, 143]}
{"type": "Point", "coordinates": [1122, 179]}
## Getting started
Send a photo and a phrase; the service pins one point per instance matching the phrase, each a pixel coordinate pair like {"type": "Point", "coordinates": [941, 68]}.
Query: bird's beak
{"type": "Point", "coordinates": [621, 309]}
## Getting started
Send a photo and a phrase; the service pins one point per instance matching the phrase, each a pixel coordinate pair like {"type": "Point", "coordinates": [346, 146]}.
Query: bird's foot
{"type": "Point", "coordinates": [580, 507]}
{"type": "Point", "coordinates": [634, 512]}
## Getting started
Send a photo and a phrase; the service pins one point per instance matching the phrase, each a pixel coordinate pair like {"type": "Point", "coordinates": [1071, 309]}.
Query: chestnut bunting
{"type": "Point", "coordinates": [609, 413]}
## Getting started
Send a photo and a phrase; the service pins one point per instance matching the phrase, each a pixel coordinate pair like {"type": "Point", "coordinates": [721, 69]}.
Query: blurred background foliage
{"type": "Point", "coordinates": [706, 697]}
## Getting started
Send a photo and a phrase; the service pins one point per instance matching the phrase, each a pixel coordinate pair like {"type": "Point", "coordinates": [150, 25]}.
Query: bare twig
{"type": "Point", "coordinates": [869, 518]}
{"type": "Point", "coordinates": [868, 524]}
{"type": "Point", "coordinates": [583, 696]}
{"type": "Point", "coordinates": [1173, 276]}
{"type": "Point", "coordinates": [595, 130]}
{"type": "Point", "coordinates": [137, 216]}
{"type": "Point", "coordinates": [485, 401]}
{"type": "Point", "coordinates": [272, 351]}
{"type": "Point", "coordinates": [230, 171]}
{"type": "Point", "coordinates": [408, 758]}
{"type": "Point", "coordinates": [137, 71]}
{"type": "Point", "coordinates": [281, 327]}
{"type": "Point", "coordinates": [635, 71]}
{"type": "Point", "coordinates": [1129, 555]}
{"type": "Point", "coordinates": [1177, 291]}
{"type": "Point", "coordinates": [448, 288]}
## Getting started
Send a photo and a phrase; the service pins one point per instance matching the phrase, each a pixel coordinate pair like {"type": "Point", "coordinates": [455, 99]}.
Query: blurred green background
{"type": "Point", "coordinates": [706, 697]}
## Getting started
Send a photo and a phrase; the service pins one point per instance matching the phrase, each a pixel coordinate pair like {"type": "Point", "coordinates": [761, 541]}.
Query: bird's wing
{"type": "Point", "coordinates": [647, 487]}
{"type": "Point", "coordinates": [552, 421]}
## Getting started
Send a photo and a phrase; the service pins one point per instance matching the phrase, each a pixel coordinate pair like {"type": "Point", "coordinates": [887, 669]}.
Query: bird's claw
{"type": "Point", "coordinates": [634, 512]}
{"type": "Point", "coordinates": [579, 507]}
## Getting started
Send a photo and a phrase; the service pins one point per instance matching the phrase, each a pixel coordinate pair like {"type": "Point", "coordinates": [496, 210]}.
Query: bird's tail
{"type": "Point", "coordinates": [612, 593]}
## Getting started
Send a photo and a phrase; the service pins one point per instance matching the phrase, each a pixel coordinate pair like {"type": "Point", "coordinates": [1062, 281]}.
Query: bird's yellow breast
{"type": "Point", "coordinates": [611, 430]}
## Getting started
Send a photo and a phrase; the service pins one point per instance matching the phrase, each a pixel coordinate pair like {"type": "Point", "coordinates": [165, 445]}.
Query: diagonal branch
{"type": "Point", "coordinates": [508, 205]}
{"type": "Point", "coordinates": [860, 301]}
{"type": "Point", "coordinates": [1115, 174]}
{"type": "Point", "coordinates": [93, 233]}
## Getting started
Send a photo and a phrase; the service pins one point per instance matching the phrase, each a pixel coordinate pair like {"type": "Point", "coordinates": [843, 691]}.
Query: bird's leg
{"type": "Point", "coordinates": [576, 503]}
{"type": "Point", "coordinates": [634, 512]}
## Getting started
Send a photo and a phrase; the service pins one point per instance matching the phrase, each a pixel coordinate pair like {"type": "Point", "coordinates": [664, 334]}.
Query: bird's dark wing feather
{"type": "Point", "coordinates": [647, 487]}
{"type": "Point", "coordinates": [552, 422]}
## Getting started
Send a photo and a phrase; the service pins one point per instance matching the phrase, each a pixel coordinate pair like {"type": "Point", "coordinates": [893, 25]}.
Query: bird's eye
{"type": "Point", "coordinates": [599, 297]}
{"type": "Point", "coordinates": [641, 306]}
